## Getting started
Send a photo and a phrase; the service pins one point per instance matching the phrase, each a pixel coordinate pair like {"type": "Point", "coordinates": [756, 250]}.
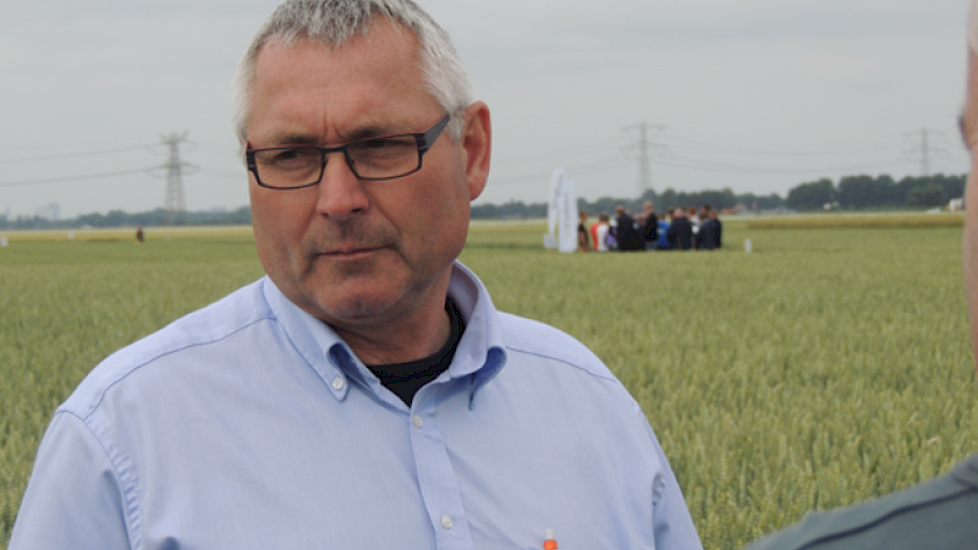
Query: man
{"type": "Point", "coordinates": [602, 233]}
{"type": "Point", "coordinates": [663, 231]}
{"type": "Point", "coordinates": [704, 212]}
{"type": "Point", "coordinates": [938, 514]}
{"type": "Point", "coordinates": [969, 131]}
{"type": "Point", "coordinates": [628, 238]}
{"type": "Point", "coordinates": [697, 218]}
{"type": "Point", "coordinates": [650, 227]}
{"type": "Point", "coordinates": [710, 231]}
{"type": "Point", "coordinates": [583, 244]}
{"type": "Point", "coordinates": [715, 218]}
{"type": "Point", "coordinates": [594, 232]}
{"type": "Point", "coordinates": [366, 393]}
{"type": "Point", "coordinates": [680, 234]}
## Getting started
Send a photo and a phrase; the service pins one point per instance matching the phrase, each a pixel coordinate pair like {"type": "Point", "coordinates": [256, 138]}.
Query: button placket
{"type": "Point", "coordinates": [437, 478]}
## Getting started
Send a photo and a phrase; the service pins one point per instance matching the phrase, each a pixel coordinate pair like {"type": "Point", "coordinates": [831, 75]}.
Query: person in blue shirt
{"type": "Point", "coordinates": [366, 393]}
{"type": "Point", "coordinates": [662, 240]}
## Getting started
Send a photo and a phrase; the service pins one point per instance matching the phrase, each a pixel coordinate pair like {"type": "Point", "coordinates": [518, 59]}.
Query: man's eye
{"type": "Point", "coordinates": [385, 145]}
{"type": "Point", "coordinates": [286, 155]}
{"type": "Point", "coordinates": [287, 158]}
{"type": "Point", "coordinates": [376, 144]}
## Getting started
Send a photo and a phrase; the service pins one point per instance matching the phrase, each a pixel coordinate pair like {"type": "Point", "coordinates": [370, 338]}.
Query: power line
{"type": "Point", "coordinates": [733, 149]}
{"type": "Point", "coordinates": [72, 155]}
{"type": "Point", "coordinates": [574, 170]}
{"type": "Point", "coordinates": [224, 173]}
{"type": "Point", "coordinates": [600, 166]}
{"type": "Point", "coordinates": [74, 178]}
{"type": "Point", "coordinates": [221, 153]}
{"type": "Point", "coordinates": [708, 166]}
{"type": "Point", "coordinates": [573, 150]}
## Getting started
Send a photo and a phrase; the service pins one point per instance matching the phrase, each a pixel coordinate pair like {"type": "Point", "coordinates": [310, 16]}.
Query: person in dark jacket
{"type": "Point", "coordinates": [628, 239]}
{"type": "Point", "coordinates": [583, 243]}
{"type": "Point", "coordinates": [714, 216]}
{"type": "Point", "coordinates": [680, 233]}
{"type": "Point", "coordinates": [650, 226]}
{"type": "Point", "coordinates": [709, 235]}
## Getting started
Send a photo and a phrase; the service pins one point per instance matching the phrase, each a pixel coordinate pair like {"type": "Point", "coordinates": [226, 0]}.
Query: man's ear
{"type": "Point", "coordinates": [476, 147]}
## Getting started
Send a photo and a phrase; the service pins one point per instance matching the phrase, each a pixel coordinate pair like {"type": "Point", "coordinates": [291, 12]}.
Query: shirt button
{"type": "Point", "coordinates": [338, 383]}
{"type": "Point", "coordinates": [417, 424]}
{"type": "Point", "coordinates": [446, 522]}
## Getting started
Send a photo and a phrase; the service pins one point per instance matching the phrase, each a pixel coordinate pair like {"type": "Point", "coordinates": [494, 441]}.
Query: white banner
{"type": "Point", "coordinates": [550, 239]}
{"type": "Point", "coordinates": [561, 214]}
{"type": "Point", "coordinates": [568, 217]}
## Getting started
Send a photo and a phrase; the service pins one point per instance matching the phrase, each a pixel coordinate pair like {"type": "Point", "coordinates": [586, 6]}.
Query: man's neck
{"type": "Point", "coordinates": [417, 333]}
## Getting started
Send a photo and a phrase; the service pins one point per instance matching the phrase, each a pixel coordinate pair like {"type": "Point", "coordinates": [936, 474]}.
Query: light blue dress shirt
{"type": "Point", "coordinates": [250, 424]}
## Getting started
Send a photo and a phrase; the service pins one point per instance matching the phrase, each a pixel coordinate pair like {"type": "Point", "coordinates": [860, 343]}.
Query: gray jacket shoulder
{"type": "Point", "coordinates": [936, 514]}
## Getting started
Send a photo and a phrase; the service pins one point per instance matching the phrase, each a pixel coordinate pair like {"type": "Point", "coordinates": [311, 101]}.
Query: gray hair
{"type": "Point", "coordinates": [333, 22]}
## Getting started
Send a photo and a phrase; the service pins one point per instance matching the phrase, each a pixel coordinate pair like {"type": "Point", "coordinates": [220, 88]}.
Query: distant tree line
{"type": "Point", "coordinates": [510, 210]}
{"type": "Point", "coordinates": [882, 192]}
{"type": "Point", "coordinates": [118, 218]}
{"type": "Point", "coordinates": [724, 198]}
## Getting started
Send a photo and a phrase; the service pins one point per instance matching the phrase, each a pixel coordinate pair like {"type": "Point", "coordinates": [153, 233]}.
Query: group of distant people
{"type": "Point", "coordinates": [687, 229]}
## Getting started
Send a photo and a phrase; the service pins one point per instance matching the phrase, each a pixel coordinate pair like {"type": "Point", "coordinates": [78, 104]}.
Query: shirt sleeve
{"type": "Point", "coordinates": [74, 498]}
{"type": "Point", "coordinates": [672, 525]}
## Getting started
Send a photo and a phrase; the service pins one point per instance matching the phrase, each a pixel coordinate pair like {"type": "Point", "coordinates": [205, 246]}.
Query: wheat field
{"type": "Point", "coordinates": [826, 367]}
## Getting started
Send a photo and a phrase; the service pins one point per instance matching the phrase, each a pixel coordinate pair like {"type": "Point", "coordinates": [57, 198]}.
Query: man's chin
{"type": "Point", "coordinates": [352, 302]}
{"type": "Point", "coordinates": [355, 310]}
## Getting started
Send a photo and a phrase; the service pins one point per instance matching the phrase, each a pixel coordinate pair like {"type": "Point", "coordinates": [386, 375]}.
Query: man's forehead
{"type": "Point", "coordinates": [366, 86]}
{"type": "Point", "coordinates": [380, 38]}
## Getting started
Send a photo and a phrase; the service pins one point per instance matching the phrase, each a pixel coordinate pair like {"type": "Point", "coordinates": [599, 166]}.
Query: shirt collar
{"type": "Point", "coordinates": [480, 354]}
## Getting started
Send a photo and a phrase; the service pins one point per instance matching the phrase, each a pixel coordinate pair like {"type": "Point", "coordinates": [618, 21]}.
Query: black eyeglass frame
{"type": "Point", "coordinates": [425, 140]}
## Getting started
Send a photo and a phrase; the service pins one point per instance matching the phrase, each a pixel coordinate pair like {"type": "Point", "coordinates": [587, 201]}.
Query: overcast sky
{"type": "Point", "coordinates": [754, 95]}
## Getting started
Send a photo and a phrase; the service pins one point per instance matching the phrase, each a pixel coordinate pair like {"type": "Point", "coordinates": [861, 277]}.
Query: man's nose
{"type": "Point", "coordinates": [341, 193]}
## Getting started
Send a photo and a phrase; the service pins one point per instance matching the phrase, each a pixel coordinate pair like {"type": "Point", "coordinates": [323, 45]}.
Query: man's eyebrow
{"type": "Point", "coordinates": [294, 139]}
{"type": "Point", "coordinates": [357, 134]}
{"type": "Point", "coordinates": [367, 132]}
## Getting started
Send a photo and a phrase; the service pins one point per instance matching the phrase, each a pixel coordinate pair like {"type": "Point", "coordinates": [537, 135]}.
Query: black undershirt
{"type": "Point", "coordinates": [405, 379]}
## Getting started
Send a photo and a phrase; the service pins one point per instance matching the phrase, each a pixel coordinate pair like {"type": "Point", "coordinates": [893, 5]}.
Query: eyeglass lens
{"type": "Point", "coordinates": [388, 157]}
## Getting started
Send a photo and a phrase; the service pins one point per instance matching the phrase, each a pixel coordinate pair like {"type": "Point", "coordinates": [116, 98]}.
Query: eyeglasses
{"type": "Point", "coordinates": [372, 159]}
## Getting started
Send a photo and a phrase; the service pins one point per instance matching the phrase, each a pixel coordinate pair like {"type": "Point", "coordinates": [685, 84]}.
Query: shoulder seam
{"type": "Point", "coordinates": [564, 361]}
{"type": "Point", "coordinates": [138, 366]}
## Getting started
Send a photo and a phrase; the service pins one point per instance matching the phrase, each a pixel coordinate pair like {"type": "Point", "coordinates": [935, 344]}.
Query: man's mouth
{"type": "Point", "coordinates": [350, 251]}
